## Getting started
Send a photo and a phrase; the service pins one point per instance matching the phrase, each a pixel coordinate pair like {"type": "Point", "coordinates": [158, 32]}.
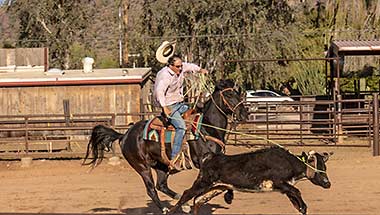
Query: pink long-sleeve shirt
{"type": "Point", "coordinates": [168, 87]}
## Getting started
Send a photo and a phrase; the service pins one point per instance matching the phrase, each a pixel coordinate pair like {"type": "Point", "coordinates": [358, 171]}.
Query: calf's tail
{"type": "Point", "coordinates": [101, 140]}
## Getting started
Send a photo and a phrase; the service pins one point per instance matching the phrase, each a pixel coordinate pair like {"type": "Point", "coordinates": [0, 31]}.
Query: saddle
{"type": "Point", "coordinates": [158, 130]}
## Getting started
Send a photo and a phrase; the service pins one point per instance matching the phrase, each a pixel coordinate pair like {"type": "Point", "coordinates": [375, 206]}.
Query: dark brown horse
{"type": "Point", "coordinates": [145, 155]}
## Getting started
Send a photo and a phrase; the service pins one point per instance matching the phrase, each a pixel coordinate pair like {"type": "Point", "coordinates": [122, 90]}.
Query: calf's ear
{"type": "Point", "coordinates": [326, 156]}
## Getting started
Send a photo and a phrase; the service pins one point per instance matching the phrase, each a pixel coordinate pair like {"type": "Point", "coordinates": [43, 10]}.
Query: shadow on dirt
{"type": "Point", "coordinates": [105, 210]}
{"type": "Point", "coordinates": [153, 209]}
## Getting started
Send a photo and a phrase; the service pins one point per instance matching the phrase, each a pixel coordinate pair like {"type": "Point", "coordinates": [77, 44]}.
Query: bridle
{"type": "Point", "coordinates": [226, 102]}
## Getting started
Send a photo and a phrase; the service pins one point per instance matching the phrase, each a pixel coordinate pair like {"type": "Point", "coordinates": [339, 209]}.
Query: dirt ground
{"type": "Point", "coordinates": [64, 186]}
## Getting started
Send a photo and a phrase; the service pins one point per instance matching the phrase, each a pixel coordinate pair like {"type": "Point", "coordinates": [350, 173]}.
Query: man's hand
{"type": "Point", "coordinates": [203, 71]}
{"type": "Point", "coordinates": [167, 111]}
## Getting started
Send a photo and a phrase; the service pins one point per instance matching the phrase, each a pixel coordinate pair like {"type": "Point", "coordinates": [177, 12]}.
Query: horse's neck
{"type": "Point", "coordinates": [213, 116]}
{"type": "Point", "coordinates": [213, 119]}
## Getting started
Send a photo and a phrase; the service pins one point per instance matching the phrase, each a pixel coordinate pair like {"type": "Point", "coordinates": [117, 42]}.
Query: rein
{"type": "Point", "coordinates": [225, 102]}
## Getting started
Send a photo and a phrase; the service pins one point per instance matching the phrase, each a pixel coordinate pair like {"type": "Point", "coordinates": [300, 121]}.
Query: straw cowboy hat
{"type": "Point", "coordinates": [165, 51]}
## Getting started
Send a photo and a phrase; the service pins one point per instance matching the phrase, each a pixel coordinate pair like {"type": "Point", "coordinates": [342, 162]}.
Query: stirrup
{"type": "Point", "coordinates": [175, 163]}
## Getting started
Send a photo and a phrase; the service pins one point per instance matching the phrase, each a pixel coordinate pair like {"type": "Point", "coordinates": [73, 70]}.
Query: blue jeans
{"type": "Point", "coordinates": [179, 124]}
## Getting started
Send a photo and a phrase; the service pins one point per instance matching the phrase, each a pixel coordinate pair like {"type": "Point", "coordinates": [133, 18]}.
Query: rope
{"type": "Point", "coordinates": [203, 85]}
{"type": "Point", "coordinates": [197, 84]}
{"type": "Point", "coordinates": [263, 138]}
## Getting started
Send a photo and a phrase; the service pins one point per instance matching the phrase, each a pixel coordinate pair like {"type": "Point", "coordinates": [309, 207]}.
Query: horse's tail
{"type": "Point", "coordinates": [101, 140]}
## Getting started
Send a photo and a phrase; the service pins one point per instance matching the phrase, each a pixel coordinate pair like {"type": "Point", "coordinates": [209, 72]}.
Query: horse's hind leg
{"type": "Point", "coordinates": [162, 185]}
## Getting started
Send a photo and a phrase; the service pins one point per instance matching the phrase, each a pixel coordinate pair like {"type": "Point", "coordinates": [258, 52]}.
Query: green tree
{"type": "Point", "coordinates": [58, 23]}
{"type": "Point", "coordinates": [207, 32]}
{"type": "Point", "coordinates": [210, 31]}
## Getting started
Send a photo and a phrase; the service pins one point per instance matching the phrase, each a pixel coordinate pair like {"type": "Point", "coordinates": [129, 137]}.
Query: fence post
{"type": "Point", "coordinates": [375, 126]}
{"type": "Point", "coordinates": [66, 111]}
{"type": "Point", "coordinates": [113, 120]}
{"type": "Point", "coordinates": [26, 135]}
{"type": "Point", "coordinates": [267, 120]}
{"type": "Point", "coordinates": [339, 119]}
{"type": "Point", "coordinates": [301, 120]}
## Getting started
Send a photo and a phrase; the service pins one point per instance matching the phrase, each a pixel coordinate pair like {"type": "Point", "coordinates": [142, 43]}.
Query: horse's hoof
{"type": "Point", "coordinates": [177, 196]}
{"type": "Point", "coordinates": [303, 211]}
{"type": "Point", "coordinates": [228, 197]}
{"type": "Point", "coordinates": [186, 208]}
{"type": "Point", "coordinates": [165, 210]}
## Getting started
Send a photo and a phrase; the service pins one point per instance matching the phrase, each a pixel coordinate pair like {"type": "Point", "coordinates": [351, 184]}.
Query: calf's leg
{"type": "Point", "coordinates": [207, 195]}
{"type": "Point", "coordinates": [294, 196]}
{"type": "Point", "coordinates": [198, 187]}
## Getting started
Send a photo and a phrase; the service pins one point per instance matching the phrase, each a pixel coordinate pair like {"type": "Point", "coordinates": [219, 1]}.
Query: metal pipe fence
{"type": "Point", "coordinates": [307, 123]}
{"type": "Point", "coordinates": [339, 123]}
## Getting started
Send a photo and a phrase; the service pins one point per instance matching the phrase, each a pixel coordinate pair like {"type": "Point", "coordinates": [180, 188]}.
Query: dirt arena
{"type": "Point", "coordinates": [66, 187]}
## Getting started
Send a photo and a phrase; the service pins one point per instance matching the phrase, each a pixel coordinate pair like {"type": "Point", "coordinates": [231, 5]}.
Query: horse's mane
{"type": "Point", "coordinates": [224, 84]}
{"type": "Point", "coordinates": [207, 105]}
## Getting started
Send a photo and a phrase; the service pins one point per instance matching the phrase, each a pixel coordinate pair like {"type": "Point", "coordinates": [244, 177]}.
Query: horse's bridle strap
{"type": "Point", "coordinates": [225, 101]}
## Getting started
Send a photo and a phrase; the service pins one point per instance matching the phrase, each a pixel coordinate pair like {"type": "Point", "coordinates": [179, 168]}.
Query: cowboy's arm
{"type": "Point", "coordinates": [191, 67]}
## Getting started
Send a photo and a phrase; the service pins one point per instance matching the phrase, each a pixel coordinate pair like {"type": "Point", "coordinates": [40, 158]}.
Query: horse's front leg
{"type": "Point", "coordinates": [162, 184]}
{"type": "Point", "coordinates": [294, 196]}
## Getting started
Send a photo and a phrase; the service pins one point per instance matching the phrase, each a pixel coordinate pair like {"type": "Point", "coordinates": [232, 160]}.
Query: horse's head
{"type": "Point", "coordinates": [230, 99]}
{"type": "Point", "coordinates": [316, 168]}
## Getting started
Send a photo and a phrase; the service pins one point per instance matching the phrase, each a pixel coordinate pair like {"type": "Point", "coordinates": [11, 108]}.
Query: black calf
{"type": "Point", "coordinates": [271, 169]}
